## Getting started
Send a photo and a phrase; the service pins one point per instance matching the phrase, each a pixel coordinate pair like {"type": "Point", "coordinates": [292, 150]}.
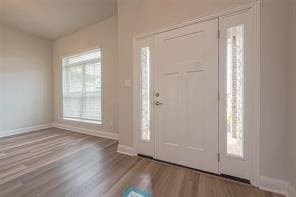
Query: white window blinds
{"type": "Point", "coordinates": [82, 86]}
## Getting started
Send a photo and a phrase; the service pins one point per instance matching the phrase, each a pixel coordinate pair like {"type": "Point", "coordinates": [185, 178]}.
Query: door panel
{"type": "Point", "coordinates": [186, 78]}
{"type": "Point", "coordinates": [195, 98]}
{"type": "Point", "coordinates": [172, 86]}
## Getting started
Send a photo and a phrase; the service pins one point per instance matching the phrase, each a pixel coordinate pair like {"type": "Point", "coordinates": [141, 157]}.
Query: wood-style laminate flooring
{"type": "Point", "coordinates": [58, 163]}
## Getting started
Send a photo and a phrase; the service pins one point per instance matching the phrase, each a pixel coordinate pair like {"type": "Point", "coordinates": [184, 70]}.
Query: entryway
{"type": "Point", "coordinates": [196, 94]}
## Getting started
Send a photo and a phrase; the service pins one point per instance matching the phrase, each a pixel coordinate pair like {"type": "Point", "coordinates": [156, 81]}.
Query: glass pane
{"type": "Point", "coordinates": [74, 79]}
{"type": "Point", "coordinates": [92, 106]}
{"type": "Point", "coordinates": [93, 77]}
{"type": "Point", "coordinates": [235, 88]}
{"type": "Point", "coordinates": [145, 93]}
{"type": "Point", "coordinates": [92, 101]}
{"type": "Point", "coordinates": [71, 106]}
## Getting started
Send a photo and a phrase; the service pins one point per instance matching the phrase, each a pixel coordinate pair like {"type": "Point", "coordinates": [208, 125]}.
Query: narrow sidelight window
{"type": "Point", "coordinates": [82, 87]}
{"type": "Point", "coordinates": [145, 93]}
{"type": "Point", "coordinates": [235, 91]}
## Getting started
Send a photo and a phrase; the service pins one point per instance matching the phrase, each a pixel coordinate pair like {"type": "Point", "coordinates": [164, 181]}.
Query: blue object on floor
{"type": "Point", "coordinates": [135, 192]}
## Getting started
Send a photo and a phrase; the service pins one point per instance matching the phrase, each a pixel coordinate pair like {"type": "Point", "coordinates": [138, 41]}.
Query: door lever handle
{"type": "Point", "coordinates": [157, 103]}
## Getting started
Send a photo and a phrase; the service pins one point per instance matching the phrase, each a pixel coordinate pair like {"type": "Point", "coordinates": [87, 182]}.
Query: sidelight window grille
{"type": "Point", "coordinates": [235, 90]}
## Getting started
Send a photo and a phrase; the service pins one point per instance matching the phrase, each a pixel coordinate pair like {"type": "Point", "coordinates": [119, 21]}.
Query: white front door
{"type": "Point", "coordinates": [185, 96]}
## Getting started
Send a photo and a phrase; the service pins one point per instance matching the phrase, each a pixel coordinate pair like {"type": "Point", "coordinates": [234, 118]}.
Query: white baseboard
{"type": "Point", "coordinates": [127, 150]}
{"type": "Point", "coordinates": [24, 130]}
{"type": "Point", "coordinates": [273, 185]}
{"type": "Point", "coordinates": [97, 133]}
{"type": "Point", "coordinates": [291, 191]}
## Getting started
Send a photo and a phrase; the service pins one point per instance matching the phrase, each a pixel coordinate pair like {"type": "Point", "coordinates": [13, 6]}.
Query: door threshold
{"type": "Point", "coordinates": [146, 156]}
{"type": "Point", "coordinates": [237, 179]}
{"type": "Point", "coordinates": [242, 180]}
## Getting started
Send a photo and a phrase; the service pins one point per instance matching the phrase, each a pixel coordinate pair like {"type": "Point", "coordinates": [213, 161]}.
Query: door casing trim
{"type": "Point", "coordinates": [255, 178]}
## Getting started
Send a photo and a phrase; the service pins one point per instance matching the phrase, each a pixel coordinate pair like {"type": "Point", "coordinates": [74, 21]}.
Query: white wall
{"type": "Point", "coordinates": [292, 94]}
{"type": "Point", "coordinates": [104, 35]}
{"type": "Point", "coordinates": [25, 80]}
{"type": "Point", "coordinates": [137, 17]}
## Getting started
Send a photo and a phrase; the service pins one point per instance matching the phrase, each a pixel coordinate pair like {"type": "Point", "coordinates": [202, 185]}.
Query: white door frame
{"type": "Point", "coordinates": [255, 6]}
{"type": "Point", "coordinates": [142, 146]}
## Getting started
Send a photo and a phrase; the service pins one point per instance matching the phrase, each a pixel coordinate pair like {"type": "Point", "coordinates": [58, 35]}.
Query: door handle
{"type": "Point", "coordinates": [157, 103]}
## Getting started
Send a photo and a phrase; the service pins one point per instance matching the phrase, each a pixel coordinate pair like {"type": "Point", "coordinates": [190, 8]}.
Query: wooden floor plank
{"type": "Point", "coordinates": [58, 163]}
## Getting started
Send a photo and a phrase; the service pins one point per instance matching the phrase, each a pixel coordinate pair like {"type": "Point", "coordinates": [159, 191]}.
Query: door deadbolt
{"type": "Point", "coordinates": [157, 103]}
{"type": "Point", "coordinates": [156, 94]}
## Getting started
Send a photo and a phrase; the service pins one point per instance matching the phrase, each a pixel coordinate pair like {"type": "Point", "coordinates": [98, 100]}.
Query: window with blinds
{"type": "Point", "coordinates": [82, 87]}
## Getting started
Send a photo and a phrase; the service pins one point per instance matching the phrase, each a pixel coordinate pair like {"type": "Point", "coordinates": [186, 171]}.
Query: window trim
{"type": "Point", "coordinates": [83, 63]}
{"type": "Point", "coordinates": [99, 122]}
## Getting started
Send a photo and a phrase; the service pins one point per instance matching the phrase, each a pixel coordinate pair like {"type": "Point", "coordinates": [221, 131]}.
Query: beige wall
{"type": "Point", "coordinates": [104, 35]}
{"type": "Point", "coordinates": [25, 80]}
{"type": "Point", "coordinates": [274, 88]}
{"type": "Point", "coordinates": [292, 94]}
{"type": "Point", "coordinates": [137, 17]}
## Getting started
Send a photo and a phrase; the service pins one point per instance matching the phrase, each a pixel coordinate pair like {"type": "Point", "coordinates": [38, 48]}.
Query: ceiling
{"type": "Point", "coordinates": [52, 19]}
